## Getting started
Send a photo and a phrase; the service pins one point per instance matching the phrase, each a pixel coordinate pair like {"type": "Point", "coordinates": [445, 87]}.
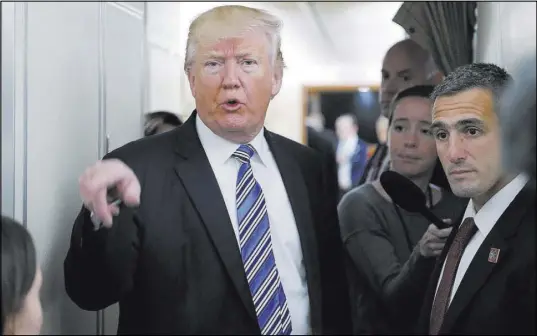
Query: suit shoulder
{"type": "Point", "coordinates": [295, 148]}
{"type": "Point", "coordinates": [145, 149]}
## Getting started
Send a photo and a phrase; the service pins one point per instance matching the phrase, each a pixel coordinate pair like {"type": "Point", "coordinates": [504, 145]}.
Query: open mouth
{"type": "Point", "coordinates": [231, 104]}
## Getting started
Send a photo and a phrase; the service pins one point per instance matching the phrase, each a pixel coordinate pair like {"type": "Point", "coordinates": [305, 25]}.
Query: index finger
{"type": "Point", "coordinates": [109, 175]}
{"type": "Point", "coordinates": [442, 233]}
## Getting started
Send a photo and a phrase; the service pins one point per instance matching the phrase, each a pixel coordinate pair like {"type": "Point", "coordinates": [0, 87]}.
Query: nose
{"type": "Point", "coordinates": [411, 140]}
{"type": "Point", "coordinates": [456, 152]}
{"type": "Point", "coordinates": [231, 76]}
{"type": "Point", "coordinates": [388, 87]}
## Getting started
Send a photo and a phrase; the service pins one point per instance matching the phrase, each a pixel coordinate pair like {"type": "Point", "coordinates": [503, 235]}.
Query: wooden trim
{"type": "Point", "coordinates": [307, 90]}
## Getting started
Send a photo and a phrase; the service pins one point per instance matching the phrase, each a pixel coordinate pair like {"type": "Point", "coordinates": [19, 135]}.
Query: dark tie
{"type": "Point", "coordinates": [256, 251]}
{"type": "Point", "coordinates": [441, 300]}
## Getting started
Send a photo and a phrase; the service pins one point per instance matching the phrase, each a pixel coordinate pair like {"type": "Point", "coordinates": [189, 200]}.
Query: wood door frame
{"type": "Point", "coordinates": [309, 89]}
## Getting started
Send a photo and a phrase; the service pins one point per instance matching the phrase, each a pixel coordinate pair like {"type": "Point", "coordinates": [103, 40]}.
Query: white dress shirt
{"type": "Point", "coordinates": [285, 239]}
{"type": "Point", "coordinates": [345, 151]}
{"type": "Point", "coordinates": [484, 219]}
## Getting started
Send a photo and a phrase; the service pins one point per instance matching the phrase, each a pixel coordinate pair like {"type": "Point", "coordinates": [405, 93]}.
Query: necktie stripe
{"type": "Point", "coordinates": [243, 191]}
{"type": "Point", "coordinates": [272, 324]}
{"type": "Point", "coordinates": [264, 244]}
{"type": "Point", "coordinates": [264, 294]}
{"type": "Point", "coordinates": [257, 258]}
{"type": "Point", "coordinates": [247, 231]}
{"type": "Point", "coordinates": [255, 209]}
{"type": "Point", "coordinates": [256, 250]}
{"type": "Point", "coordinates": [252, 220]}
{"type": "Point", "coordinates": [261, 265]}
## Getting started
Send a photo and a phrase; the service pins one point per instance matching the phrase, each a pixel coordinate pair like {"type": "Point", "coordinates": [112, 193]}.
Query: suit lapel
{"type": "Point", "coordinates": [481, 268]}
{"type": "Point", "coordinates": [194, 170]}
{"type": "Point", "coordinates": [296, 190]}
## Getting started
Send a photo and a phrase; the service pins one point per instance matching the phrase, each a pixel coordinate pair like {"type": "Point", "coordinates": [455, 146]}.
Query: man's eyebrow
{"type": "Point", "coordinates": [459, 123]}
{"type": "Point", "coordinates": [404, 72]}
{"type": "Point", "coordinates": [438, 124]}
{"type": "Point", "coordinates": [470, 122]}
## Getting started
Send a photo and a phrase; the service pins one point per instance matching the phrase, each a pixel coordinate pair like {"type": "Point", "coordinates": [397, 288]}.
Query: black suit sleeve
{"type": "Point", "coordinates": [373, 255]}
{"type": "Point", "coordinates": [100, 265]}
{"type": "Point", "coordinates": [336, 304]}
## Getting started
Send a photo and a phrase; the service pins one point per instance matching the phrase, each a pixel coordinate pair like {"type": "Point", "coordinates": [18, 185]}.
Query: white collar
{"type": "Point", "coordinates": [491, 211]}
{"type": "Point", "coordinates": [220, 149]}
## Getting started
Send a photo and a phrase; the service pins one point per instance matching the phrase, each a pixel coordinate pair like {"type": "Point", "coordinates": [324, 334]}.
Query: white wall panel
{"type": "Point", "coordinates": [123, 64]}
{"type": "Point", "coordinates": [62, 140]}
{"type": "Point", "coordinates": [164, 79]}
{"type": "Point", "coordinates": [505, 32]}
{"type": "Point", "coordinates": [8, 109]}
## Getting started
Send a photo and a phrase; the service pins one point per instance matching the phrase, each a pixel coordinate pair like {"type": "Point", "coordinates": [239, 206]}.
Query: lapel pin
{"type": "Point", "coordinates": [494, 254]}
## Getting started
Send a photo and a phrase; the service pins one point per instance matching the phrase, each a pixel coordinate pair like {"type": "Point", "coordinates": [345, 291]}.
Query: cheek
{"type": "Point", "coordinates": [30, 318]}
{"type": "Point", "coordinates": [441, 149]}
{"type": "Point", "coordinates": [207, 86]}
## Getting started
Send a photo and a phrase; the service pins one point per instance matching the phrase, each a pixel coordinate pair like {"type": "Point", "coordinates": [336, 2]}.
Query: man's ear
{"type": "Point", "coordinates": [191, 81]}
{"type": "Point", "coordinates": [277, 80]}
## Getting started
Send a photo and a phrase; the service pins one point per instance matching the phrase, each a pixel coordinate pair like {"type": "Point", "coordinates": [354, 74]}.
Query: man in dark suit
{"type": "Point", "coordinates": [233, 232]}
{"type": "Point", "coordinates": [484, 281]}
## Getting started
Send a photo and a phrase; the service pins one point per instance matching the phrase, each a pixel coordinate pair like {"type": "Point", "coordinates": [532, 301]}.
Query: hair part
{"type": "Point", "coordinates": [223, 16]}
{"type": "Point", "coordinates": [420, 91]}
{"type": "Point", "coordinates": [19, 266]}
{"type": "Point", "coordinates": [476, 75]}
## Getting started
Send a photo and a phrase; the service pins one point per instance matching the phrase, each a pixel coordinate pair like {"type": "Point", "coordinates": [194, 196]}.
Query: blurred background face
{"type": "Point", "coordinates": [232, 81]}
{"type": "Point", "coordinates": [411, 145]}
{"type": "Point", "coordinates": [467, 137]}
{"type": "Point", "coordinates": [399, 71]}
{"type": "Point", "coordinates": [345, 127]}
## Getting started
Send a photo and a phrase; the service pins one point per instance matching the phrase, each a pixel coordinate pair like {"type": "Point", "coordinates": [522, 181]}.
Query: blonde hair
{"type": "Point", "coordinates": [223, 16]}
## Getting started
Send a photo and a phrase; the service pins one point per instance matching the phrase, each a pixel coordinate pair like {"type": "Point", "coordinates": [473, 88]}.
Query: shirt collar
{"type": "Point", "coordinates": [219, 150]}
{"type": "Point", "coordinates": [489, 214]}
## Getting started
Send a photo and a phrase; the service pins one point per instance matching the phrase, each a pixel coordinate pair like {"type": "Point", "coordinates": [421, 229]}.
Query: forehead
{"type": "Point", "coordinates": [344, 121]}
{"type": "Point", "coordinates": [414, 108]}
{"type": "Point", "coordinates": [398, 59]}
{"type": "Point", "coordinates": [232, 41]}
{"type": "Point", "coordinates": [473, 103]}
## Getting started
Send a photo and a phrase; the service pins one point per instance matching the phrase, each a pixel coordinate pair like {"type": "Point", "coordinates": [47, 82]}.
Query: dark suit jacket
{"type": "Point", "coordinates": [359, 162]}
{"type": "Point", "coordinates": [174, 265]}
{"type": "Point", "coordinates": [494, 298]}
{"type": "Point", "coordinates": [328, 156]}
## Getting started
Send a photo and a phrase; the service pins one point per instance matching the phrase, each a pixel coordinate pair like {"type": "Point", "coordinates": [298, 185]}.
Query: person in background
{"type": "Point", "coordinates": [351, 153]}
{"type": "Point", "coordinates": [381, 129]}
{"type": "Point", "coordinates": [405, 64]}
{"type": "Point", "coordinates": [229, 229]}
{"type": "Point", "coordinates": [21, 281]}
{"type": "Point", "coordinates": [484, 281]}
{"type": "Point", "coordinates": [159, 122]}
{"type": "Point", "coordinates": [392, 251]}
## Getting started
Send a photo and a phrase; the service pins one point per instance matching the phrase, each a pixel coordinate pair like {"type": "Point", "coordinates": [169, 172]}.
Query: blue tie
{"type": "Point", "coordinates": [256, 250]}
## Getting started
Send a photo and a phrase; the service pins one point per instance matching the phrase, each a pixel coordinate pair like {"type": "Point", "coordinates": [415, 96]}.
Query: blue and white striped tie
{"type": "Point", "coordinates": [256, 251]}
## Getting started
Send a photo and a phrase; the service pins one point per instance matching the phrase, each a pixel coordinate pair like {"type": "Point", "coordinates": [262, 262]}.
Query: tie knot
{"type": "Point", "coordinates": [244, 153]}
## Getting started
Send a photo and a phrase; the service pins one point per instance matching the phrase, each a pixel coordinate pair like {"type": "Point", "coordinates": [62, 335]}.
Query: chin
{"type": "Point", "coordinates": [465, 190]}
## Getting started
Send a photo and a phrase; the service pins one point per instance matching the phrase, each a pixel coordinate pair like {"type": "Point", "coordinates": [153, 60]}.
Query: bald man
{"type": "Point", "coordinates": [405, 64]}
